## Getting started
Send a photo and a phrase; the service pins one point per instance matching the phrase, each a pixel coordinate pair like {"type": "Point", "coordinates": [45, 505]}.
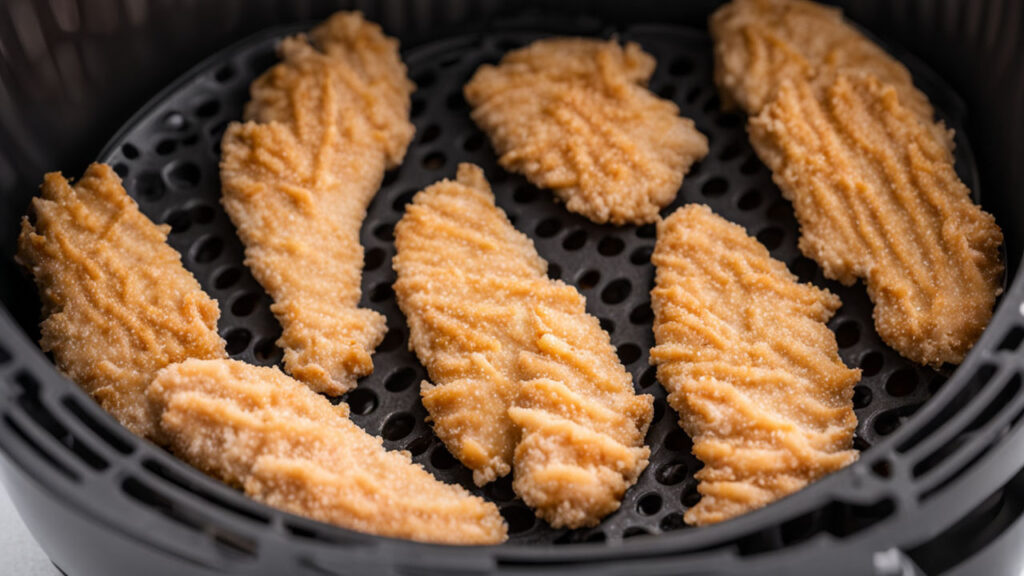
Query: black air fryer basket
{"type": "Point", "coordinates": [940, 484]}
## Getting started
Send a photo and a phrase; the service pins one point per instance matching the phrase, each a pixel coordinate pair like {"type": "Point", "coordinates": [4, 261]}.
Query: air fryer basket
{"type": "Point", "coordinates": [938, 490]}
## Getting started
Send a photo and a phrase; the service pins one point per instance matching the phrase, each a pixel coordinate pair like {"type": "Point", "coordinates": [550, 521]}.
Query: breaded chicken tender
{"type": "Point", "coordinates": [297, 178]}
{"type": "Point", "coordinates": [878, 198]}
{"type": "Point", "coordinates": [117, 304]}
{"type": "Point", "coordinates": [749, 364]}
{"type": "Point", "coordinates": [761, 43]}
{"type": "Point", "coordinates": [522, 374]}
{"type": "Point", "coordinates": [290, 448]}
{"type": "Point", "coordinates": [574, 115]}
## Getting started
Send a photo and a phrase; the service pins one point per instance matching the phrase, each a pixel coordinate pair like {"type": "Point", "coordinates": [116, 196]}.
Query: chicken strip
{"type": "Point", "coordinates": [290, 448]}
{"type": "Point", "coordinates": [117, 304]}
{"type": "Point", "coordinates": [574, 115]}
{"type": "Point", "coordinates": [297, 179]}
{"type": "Point", "coordinates": [749, 364]}
{"type": "Point", "coordinates": [878, 198]}
{"type": "Point", "coordinates": [522, 374]}
{"type": "Point", "coordinates": [761, 43]}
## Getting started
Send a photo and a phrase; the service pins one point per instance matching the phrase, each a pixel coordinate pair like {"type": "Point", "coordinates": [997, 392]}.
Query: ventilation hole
{"type": "Point", "coordinates": [208, 109]}
{"type": "Point", "coordinates": [901, 382]}
{"type": "Point", "coordinates": [693, 95]}
{"type": "Point", "coordinates": [165, 147]}
{"type": "Point", "coordinates": [385, 232]}
{"type": "Point", "coordinates": [112, 436]}
{"type": "Point", "coordinates": [262, 60]}
{"type": "Point", "coordinates": [646, 231]}
{"type": "Point", "coordinates": [398, 426]}
{"type": "Point", "coordinates": [184, 175]}
{"type": "Point", "coordinates": [695, 169]}
{"type": "Point", "coordinates": [690, 497]}
{"type": "Point", "coordinates": [888, 422]}
{"type": "Point", "coordinates": [400, 380]}
{"type": "Point", "coordinates": [672, 522]}
{"type": "Point", "coordinates": [402, 200]}
{"type": "Point", "coordinates": [847, 334]}
{"type": "Point", "coordinates": [607, 324]}
{"type": "Point", "coordinates": [382, 293]}
{"type": "Point", "coordinates": [525, 194]}
{"type": "Point", "coordinates": [860, 444]}
{"type": "Point", "coordinates": [588, 280]}
{"type": "Point", "coordinates": [512, 217]}
{"type": "Point", "coordinates": [373, 259]}
{"type": "Point", "coordinates": [610, 246]}
{"type": "Point", "coordinates": [456, 101]}
{"type": "Point", "coordinates": [434, 161]}
{"type": "Point", "coordinates": [425, 79]}
{"type": "Point", "coordinates": [419, 445]}
{"type": "Point", "coordinates": [649, 377]}
{"type": "Point", "coordinates": [501, 489]}
{"type": "Point", "coordinates": [5, 356]}
{"type": "Point", "coordinates": [417, 108]}
{"type": "Point", "coordinates": [442, 459]}
{"type": "Point", "coordinates": [202, 214]}
{"type": "Point", "coordinates": [237, 340]}
{"type": "Point", "coordinates": [266, 351]}
{"type": "Point", "coordinates": [671, 473]}
{"type": "Point", "coordinates": [936, 383]}
{"type": "Point", "coordinates": [519, 518]}
{"type": "Point", "coordinates": [121, 170]}
{"type": "Point", "coordinates": [548, 228]}
{"type": "Point", "coordinates": [882, 468]}
{"type": "Point", "coordinates": [246, 304]}
{"type": "Point", "coordinates": [394, 339]}
{"type": "Point", "coordinates": [633, 532]}
{"type": "Point", "coordinates": [649, 505]}
{"type": "Point", "coordinates": [474, 142]}
{"type": "Point", "coordinates": [430, 134]}
{"type": "Point", "coordinates": [750, 165]}
{"type": "Point", "coordinates": [715, 187]}
{"type": "Point", "coordinates": [616, 292]}
{"type": "Point", "coordinates": [871, 364]}
{"type": "Point", "coordinates": [730, 121]}
{"type": "Point", "coordinates": [861, 397]}
{"type": "Point", "coordinates": [732, 150]}
{"type": "Point", "coordinates": [642, 314]}
{"type": "Point", "coordinates": [628, 353]}
{"type": "Point", "coordinates": [780, 210]}
{"type": "Point", "coordinates": [174, 121]}
{"type": "Point", "coordinates": [224, 73]}
{"type": "Point", "coordinates": [554, 271]}
{"type": "Point", "coordinates": [596, 536]}
{"type": "Point", "coordinates": [749, 201]}
{"type": "Point", "coordinates": [575, 240]}
{"type": "Point", "coordinates": [678, 441]}
{"type": "Point", "coordinates": [179, 221]}
{"type": "Point", "coordinates": [217, 130]}
{"type": "Point", "coordinates": [130, 152]}
{"type": "Point", "coordinates": [641, 256]}
{"type": "Point", "coordinates": [209, 249]}
{"type": "Point", "coordinates": [227, 278]}
{"type": "Point", "coordinates": [668, 91]}
{"type": "Point", "coordinates": [680, 66]}
{"type": "Point", "coordinates": [804, 268]}
{"type": "Point", "coordinates": [771, 237]}
{"type": "Point", "coordinates": [361, 401]}
{"type": "Point", "coordinates": [390, 177]}
{"type": "Point", "coordinates": [1013, 339]}
{"type": "Point", "coordinates": [712, 104]}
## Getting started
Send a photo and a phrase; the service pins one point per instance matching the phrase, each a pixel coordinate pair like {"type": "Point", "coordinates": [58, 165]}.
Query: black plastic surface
{"type": "Point", "coordinates": [889, 498]}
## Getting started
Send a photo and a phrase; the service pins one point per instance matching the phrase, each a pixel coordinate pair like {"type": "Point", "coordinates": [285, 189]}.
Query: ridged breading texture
{"type": "Point", "coordinates": [761, 43]}
{"type": "Point", "coordinates": [297, 179]}
{"type": "Point", "coordinates": [878, 198]}
{"type": "Point", "coordinates": [290, 448]}
{"type": "Point", "coordinates": [117, 304]}
{"type": "Point", "coordinates": [574, 115]}
{"type": "Point", "coordinates": [522, 374]}
{"type": "Point", "coordinates": [749, 364]}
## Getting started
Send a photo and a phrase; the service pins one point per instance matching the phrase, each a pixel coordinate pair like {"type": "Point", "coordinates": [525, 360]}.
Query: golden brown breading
{"type": "Point", "coordinates": [749, 364]}
{"type": "Point", "coordinates": [292, 449]}
{"type": "Point", "coordinates": [297, 179]}
{"type": "Point", "coordinates": [522, 373]}
{"type": "Point", "coordinates": [878, 198]}
{"type": "Point", "coordinates": [574, 115]}
{"type": "Point", "coordinates": [117, 303]}
{"type": "Point", "coordinates": [761, 43]}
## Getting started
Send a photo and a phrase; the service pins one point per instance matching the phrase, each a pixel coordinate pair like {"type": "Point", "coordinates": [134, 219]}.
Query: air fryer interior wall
{"type": "Point", "coordinates": [884, 502]}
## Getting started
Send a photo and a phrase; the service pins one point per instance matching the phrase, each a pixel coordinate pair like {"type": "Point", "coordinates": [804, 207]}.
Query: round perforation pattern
{"type": "Point", "coordinates": [168, 158]}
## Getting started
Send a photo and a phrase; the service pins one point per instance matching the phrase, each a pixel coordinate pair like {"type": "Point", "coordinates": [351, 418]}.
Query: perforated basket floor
{"type": "Point", "coordinates": [168, 158]}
